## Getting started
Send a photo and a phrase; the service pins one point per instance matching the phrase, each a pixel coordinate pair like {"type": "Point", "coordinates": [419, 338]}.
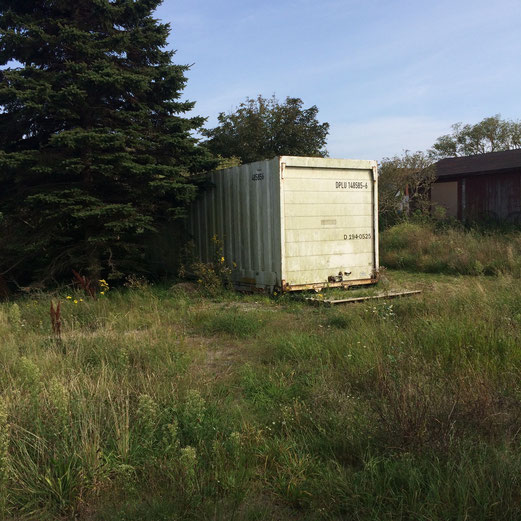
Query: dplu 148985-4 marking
{"type": "Point", "coordinates": [356, 185]}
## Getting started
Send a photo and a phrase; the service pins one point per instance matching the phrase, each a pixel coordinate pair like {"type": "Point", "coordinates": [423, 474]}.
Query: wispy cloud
{"type": "Point", "coordinates": [386, 75]}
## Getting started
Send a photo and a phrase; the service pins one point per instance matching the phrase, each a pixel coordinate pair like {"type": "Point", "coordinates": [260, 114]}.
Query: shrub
{"type": "Point", "coordinates": [214, 276]}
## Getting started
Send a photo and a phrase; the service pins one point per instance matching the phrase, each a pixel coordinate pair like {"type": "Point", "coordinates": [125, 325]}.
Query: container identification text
{"type": "Point", "coordinates": [355, 236]}
{"type": "Point", "coordinates": [352, 185]}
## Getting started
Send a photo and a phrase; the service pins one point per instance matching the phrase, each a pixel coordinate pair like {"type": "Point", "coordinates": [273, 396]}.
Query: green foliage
{"type": "Point", "coordinates": [404, 181]}
{"type": "Point", "coordinates": [403, 186]}
{"type": "Point", "coordinates": [425, 247]}
{"type": "Point", "coordinates": [228, 162]}
{"type": "Point", "coordinates": [491, 134]}
{"type": "Point", "coordinates": [167, 407]}
{"type": "Point", "coordinates": [231, 322]}
{"type": "Point", "coordinates": [94, 151]}
{"type": "Point", "coordinates": [213, 277]}
{"type": "Point", "coordinates": [4, 455]}
{"type": "Point", "coordinates": [263, 128]}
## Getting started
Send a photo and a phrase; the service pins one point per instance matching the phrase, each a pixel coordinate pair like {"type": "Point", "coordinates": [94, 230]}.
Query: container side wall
{"type": "Point", "coordinates": [241, 210]}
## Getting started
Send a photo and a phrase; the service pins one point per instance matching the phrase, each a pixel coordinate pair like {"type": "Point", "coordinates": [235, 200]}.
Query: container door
{"type": "Point", "coordinates": [329, 225]}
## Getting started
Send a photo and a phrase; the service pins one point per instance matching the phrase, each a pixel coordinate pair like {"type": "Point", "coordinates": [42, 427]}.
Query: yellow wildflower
{"type": "Point", "coordinates": [102, 293]}
{"type": "Point", "coordinates": [69, 297]}
{"type": "Point", "coordinates": [75, 301]}
{"type": "Point", "coordinates": [222, 259]}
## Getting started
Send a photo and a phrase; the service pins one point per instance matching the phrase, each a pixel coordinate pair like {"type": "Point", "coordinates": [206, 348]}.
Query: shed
{"type": "Point", "coordinates": [480, 187]}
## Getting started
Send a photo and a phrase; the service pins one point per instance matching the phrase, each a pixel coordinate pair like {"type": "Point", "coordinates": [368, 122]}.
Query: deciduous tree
{"type": "Point", "coordinates": [262, 128]}
{"type": "Point", "coordinates": [492, 134]}
{"type": "Point", "coordinates": [403, 185]}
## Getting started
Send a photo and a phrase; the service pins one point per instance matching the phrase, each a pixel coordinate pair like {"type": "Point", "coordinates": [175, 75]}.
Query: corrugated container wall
{"type": "Point", "coordinates": [292, 223]}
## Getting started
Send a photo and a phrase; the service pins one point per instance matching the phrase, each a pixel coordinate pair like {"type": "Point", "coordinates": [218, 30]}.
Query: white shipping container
{"type": "Point", "coordinates": [292, 223]}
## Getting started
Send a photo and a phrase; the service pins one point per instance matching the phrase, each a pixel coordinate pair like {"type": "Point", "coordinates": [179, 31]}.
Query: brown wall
{"type": "Point", "coordinates": [495, 196]}
{"type": "Point", "coordinates": [483, 196]}
{"type": "Point", "coordinates": [446, 195]}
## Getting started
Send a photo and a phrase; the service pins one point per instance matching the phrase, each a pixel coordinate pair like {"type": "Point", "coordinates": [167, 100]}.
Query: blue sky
{"type": "Point", "coordinates": [387, 75]}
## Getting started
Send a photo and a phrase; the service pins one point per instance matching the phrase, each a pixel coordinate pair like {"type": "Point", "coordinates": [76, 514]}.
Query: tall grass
{"type": "Point", "coordinates": [165, 405]}
{"type": "Point", "coordinates": [423, 247]}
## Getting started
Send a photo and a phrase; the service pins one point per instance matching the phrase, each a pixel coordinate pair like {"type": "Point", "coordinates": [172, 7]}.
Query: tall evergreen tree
{"type": "Point", "coordinates": [95, 149]}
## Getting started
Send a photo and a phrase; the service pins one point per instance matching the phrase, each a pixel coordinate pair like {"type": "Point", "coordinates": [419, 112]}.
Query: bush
{"type": "Point", "coordinates": [214, 276]}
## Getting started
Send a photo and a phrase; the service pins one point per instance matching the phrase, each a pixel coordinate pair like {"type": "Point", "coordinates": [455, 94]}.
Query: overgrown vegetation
{"type": "Point", "coordinates": [403, 186]}
{"type": "Point", "coordinates": [214, 276]}
{"type": "Point", "coordinates": [167, 405]}
{"type": "Point", "coordinates": [194, 402]}
{"type": "Point", "coordinates": [425, 245]}
{"type": "Point", "coordinates": [405, 180]}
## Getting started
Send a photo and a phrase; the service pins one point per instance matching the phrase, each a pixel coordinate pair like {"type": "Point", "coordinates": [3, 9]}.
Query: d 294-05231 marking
{"type": "Point", "coordinates": [356, 236]}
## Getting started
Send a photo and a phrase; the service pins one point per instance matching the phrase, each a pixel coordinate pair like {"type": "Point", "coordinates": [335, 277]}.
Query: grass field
{"type": "Point", "coordinates": [161, 404]}
{"type": "Point", "coordinates": [428, 247]}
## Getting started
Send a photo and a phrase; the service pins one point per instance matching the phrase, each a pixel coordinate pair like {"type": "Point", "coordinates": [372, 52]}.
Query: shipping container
{"type": "Point", "coordinates": [291, 223]}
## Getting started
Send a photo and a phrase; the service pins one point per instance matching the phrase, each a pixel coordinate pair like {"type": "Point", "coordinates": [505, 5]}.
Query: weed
{"type": "Point", "coordinates": [29, 376]}
{"type": "Point", "coordinates": [193, 415]}
{"type": "Point", "coordinates": [58, 406]}
{"type": "Point", "coordinates": [85, 283]}
{"type": "Point", "coordinates": [188, 463]}
{"type": "Point", "coordinates": [171, 438]}
{"type": "Point", "coordinates": [214, 276]}
{"type": "Point", "coordinates": [147, 417]}
{"type": "Point", "coordinates": [14, 316]}
{"type": "Point", "coordinates": [4, 456]}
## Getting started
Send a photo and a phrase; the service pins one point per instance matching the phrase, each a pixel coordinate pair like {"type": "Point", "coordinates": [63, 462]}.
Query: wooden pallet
{"type": "Point", "coordinates": [331, 302]}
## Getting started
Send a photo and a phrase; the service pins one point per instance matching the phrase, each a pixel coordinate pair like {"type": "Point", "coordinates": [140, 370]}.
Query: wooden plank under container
{"type": "Point", "coordinates": [331, 302]}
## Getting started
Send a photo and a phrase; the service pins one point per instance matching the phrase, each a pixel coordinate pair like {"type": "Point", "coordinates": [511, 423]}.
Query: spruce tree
{"type": "Point", "coordinates": [96, 150]}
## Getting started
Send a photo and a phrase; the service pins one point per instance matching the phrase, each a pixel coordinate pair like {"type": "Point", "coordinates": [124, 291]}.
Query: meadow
{"type": "Point", "coordinates": [434, 247]}
{"type": "Point", "coordinates": [160, 402]}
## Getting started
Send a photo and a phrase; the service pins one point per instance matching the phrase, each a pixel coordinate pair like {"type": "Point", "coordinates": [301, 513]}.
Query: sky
{"type": "Point", "coordinates": [388, 75]}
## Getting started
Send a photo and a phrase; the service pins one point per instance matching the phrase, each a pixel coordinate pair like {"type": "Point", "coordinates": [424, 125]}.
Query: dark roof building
{"type": "Point", "coordinates": [484, 186]}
